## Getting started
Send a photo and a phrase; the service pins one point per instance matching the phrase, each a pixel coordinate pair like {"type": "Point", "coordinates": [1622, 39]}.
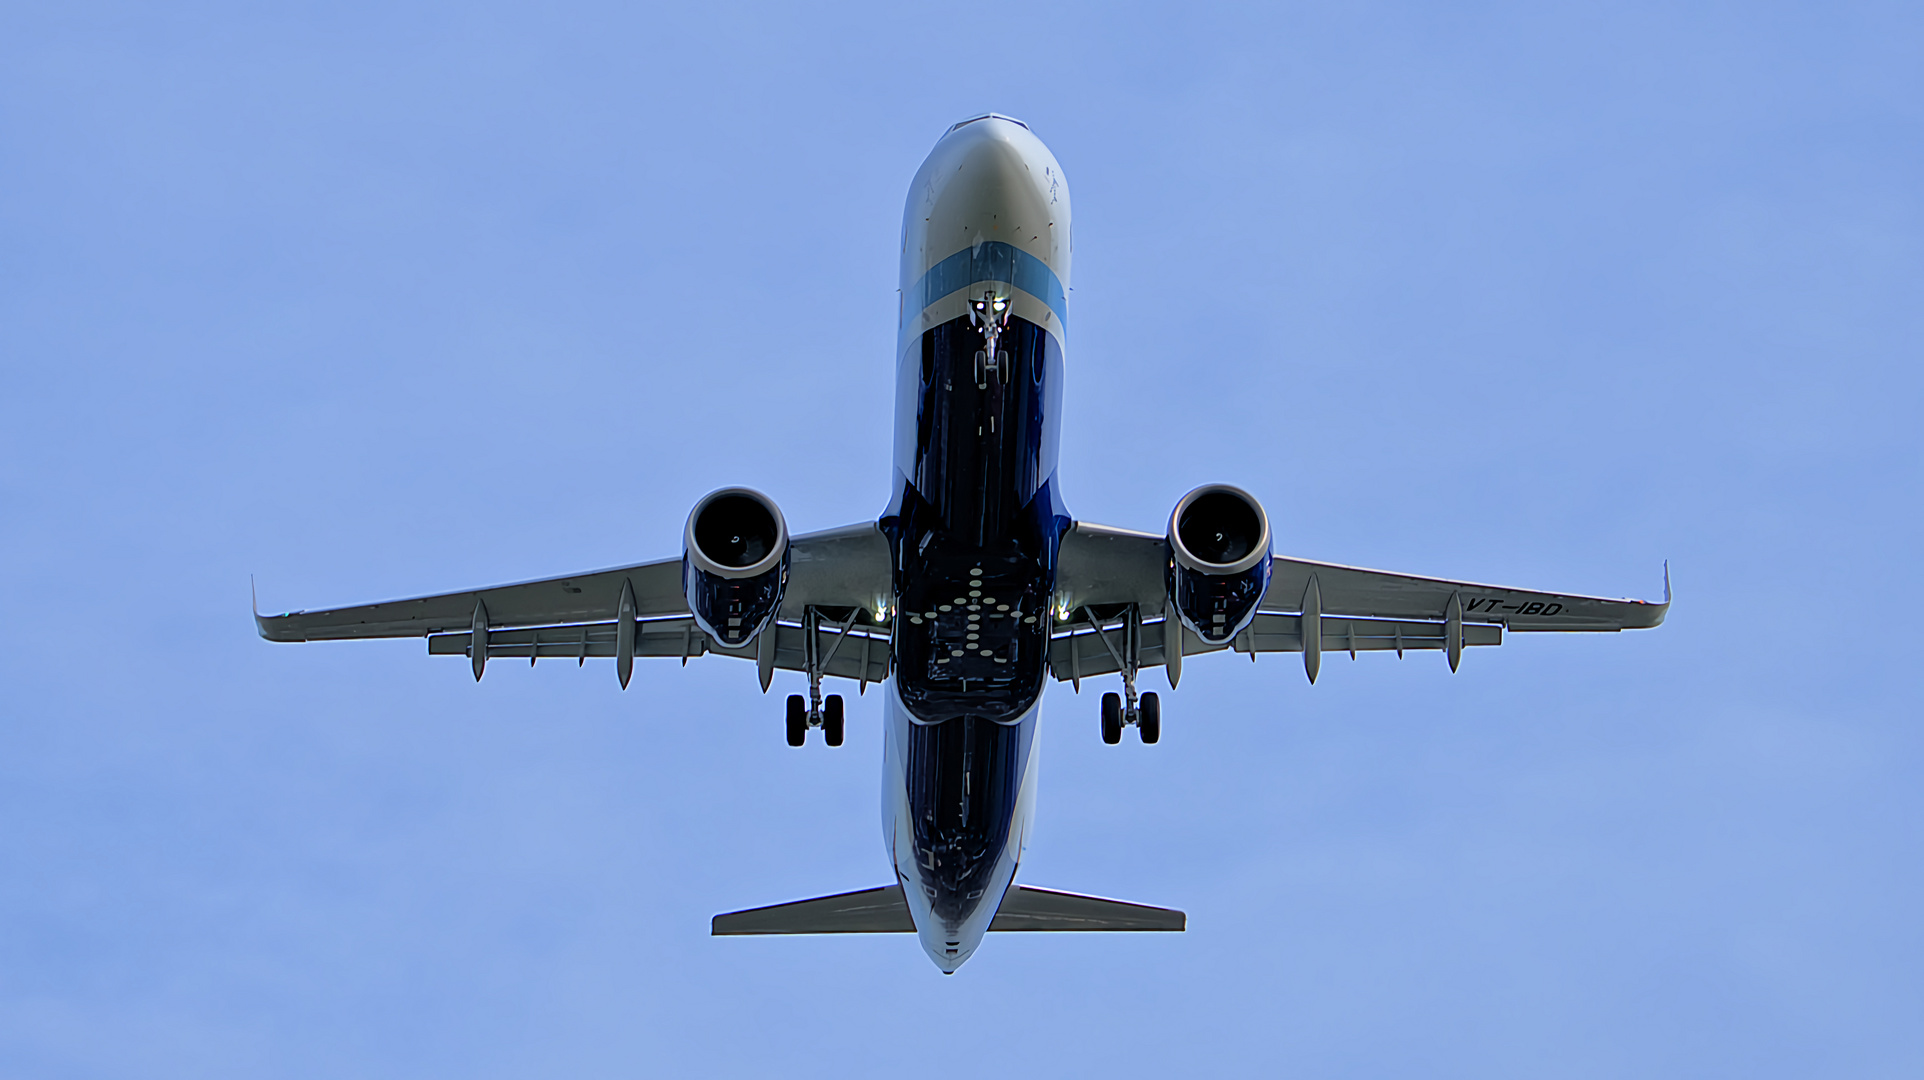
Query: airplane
{"type": "Point", "coordinates": [975, 586]}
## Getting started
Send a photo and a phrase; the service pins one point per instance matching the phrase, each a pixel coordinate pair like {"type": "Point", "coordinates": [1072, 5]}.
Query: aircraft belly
{"type": "Point", "coordinates": [959, 795]}
{"type": "Point", "coordinates": [975, 524]}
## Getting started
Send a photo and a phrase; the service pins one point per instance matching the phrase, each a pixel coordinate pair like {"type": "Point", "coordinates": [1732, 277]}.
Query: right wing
{"type": "Point", "coordinates": [1095, 646]}
{"type": "Point", "coordinates": [1106, 573]}
{"type": "Point", "coordinates": [1351, 590]}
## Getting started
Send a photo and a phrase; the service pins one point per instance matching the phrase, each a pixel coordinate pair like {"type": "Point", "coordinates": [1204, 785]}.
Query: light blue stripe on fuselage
{"type": "Point", "coordinates": [991, 260]}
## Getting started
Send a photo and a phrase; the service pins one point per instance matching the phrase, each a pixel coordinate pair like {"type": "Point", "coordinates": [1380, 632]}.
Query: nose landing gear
{"type": "Point", "coordinates": [991, 316]}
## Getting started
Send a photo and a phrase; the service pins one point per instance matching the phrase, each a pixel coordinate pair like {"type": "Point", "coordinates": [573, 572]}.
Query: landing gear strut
{"type": "Point", "coordinates": [1128, 709]}
{"type": "Point", "coordinates": [991, 316]}
{"type": "Point", "coordinates": [816, 711]}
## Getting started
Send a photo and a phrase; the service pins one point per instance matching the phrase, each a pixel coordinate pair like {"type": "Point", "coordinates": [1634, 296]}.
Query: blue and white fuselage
{"type": "Point", "coordinates": [976, 520]}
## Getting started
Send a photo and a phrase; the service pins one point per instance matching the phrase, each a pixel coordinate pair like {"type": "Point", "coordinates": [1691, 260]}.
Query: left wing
{"type": "Point", "coordinates": [843, 574]}
{"type": "Point", "coordinates": [580, 598]}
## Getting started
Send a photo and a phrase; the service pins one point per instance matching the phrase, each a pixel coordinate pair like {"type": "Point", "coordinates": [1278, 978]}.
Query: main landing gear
{"type": "Point", "coordinates": [801, 718]}
{"type": "Point", "coordinates": [814, 711]}
{"type": "Point", "coordinates": [1126, 709]}
{"type": "Point", "coordinates": [1146, 718]}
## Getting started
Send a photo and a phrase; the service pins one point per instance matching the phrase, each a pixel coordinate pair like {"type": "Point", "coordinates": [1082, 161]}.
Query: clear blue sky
{"type": "Point", "coordinates": [375, 299]}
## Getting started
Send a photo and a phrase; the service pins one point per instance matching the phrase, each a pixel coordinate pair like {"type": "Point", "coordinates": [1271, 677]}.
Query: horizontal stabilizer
{"type": "Point", "coordinates": [1024, 908]}
{"type": "Point", "coordinates": [884, 911]}
{"type": "Point", "coordinates": [869, 911]}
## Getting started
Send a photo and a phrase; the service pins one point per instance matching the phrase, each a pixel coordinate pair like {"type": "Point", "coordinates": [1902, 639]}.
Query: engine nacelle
{"type": "Point", "coordinates": [734, 564]}
{"type": "Point", "coordinates": [1218, 560]}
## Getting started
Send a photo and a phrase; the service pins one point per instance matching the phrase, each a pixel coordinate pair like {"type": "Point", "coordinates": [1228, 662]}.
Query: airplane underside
{"type": "Point", "coordinates": [975, 587]}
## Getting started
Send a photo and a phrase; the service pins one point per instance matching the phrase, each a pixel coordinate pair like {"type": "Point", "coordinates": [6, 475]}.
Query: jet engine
{"type": "Point", "coordinates": [734, 564]}
{"type": "Point", "coordinates": [1218, 560]}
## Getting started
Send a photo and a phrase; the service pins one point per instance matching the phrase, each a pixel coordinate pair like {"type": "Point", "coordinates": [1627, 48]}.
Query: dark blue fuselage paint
{"type": "Point", "coordinates": [975, 528]}
{"type": "Point", "coordinates": [976, 521]}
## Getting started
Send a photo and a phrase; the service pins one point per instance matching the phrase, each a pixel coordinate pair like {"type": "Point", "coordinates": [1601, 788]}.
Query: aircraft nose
{"type": "Point", "coordinates": [990, 126]}
{"type": "Point", "coordinates": [995, 182]}
{"type": "Point", "coordinates": [992, 159]}
{"type": "Point", "coordinates": [988, 186]}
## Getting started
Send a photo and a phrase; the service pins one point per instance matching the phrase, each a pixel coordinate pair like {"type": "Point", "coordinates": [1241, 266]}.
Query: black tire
{"type": "Point", "coordinates": [797, 720]}
{"type": "Point", "coordinates": [832, 720]}
{"type": "Point", "coordinates": [1149, 724]}
{"type": "Point", "coordinates": [1112, 718]}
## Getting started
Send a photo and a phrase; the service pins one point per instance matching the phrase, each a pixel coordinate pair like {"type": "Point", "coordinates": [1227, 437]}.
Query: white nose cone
{"type": "Point", "coordinates": [987, 213]}
{"type": "Point", "coordinates": [988, 180]}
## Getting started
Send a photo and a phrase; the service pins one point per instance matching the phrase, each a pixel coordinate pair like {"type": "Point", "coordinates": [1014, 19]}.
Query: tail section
{"type": "Point", "coordinates": [1024, 908]}
{"type": "Point", "coordinates": [884, 911]}
{"type": "Point", "coordinates": [869, 911]}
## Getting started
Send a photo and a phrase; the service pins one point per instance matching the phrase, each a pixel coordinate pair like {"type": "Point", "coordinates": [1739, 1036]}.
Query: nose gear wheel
{"type": "Point", "coordinates": [991, 316]}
